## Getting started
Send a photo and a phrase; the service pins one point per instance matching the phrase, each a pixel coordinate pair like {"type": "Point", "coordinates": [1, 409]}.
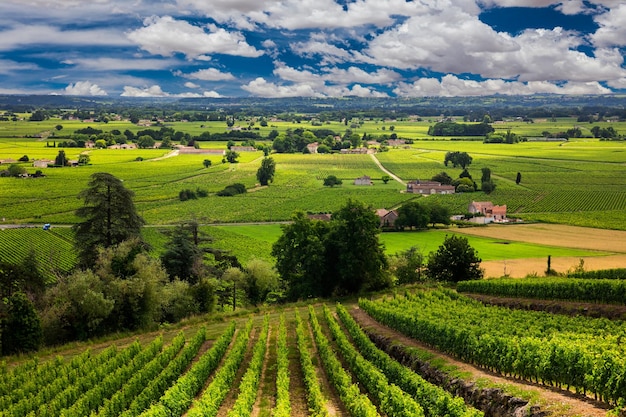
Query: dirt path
{"type": "Point", "coordinates": [559, 403]}
{"type": "Point", "coordinates": [385, 170]}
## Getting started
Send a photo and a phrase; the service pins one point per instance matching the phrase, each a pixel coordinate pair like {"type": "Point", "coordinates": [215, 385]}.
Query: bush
{"type": "Point", "coordinates": [177, 301]}
{"type": "Point", "coordinates": [232, 190]}
{"type": "Point", "coordinates": [187, 194]}
{"type": "Point", "coordinates": [21, 329]}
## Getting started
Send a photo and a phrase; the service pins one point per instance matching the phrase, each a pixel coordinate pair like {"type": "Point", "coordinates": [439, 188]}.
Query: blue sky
{"type": "Point", "coordinates": [312, 48]}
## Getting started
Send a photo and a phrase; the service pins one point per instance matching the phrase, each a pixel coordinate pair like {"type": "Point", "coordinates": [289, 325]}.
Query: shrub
{"type": "Point", "coordinates": [187, 194]}
{"type": "Point", "coordinates": [232, 190]}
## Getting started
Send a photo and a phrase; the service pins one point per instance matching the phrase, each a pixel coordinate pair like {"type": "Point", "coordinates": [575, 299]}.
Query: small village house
{"type": "Point", "coordinates": [387, 217]}
{"type": "Point", "coordinates": [428, 187]}
{"type": "Point", "coordinates": [487, 212]}
{"type": "Point", "coordinates": [312, 147]}
{"type": "Point", "coordinates": [364, 180]}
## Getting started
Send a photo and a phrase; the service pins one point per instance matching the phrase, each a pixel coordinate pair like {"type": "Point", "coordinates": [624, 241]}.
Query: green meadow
{"type": "Point", "coordinates": [261, 237]}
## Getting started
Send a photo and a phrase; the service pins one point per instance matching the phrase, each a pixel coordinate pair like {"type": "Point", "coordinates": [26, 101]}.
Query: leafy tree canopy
{"type": "Point", "coordinates": [454, 261]}
{"type": "Point", "coordinates": [109, 217]}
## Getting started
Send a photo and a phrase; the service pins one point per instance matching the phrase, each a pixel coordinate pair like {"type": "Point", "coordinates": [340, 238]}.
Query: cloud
{"type": "Point", "coordinates": [306, 14]}
{"type": "Point", "coordinates": [9, 66]}
{"type": "Point", "coordinates": [357, 75]}
{"type": "Point", "coordinates": [453, 86]}
{"type": "Point", "coordinates": [457, 42]}
{"type": "Point", "coordinates": [331, 83]}
{"type": "Point", "coordinates": [24, 35]}
{"type": "Point", "coordinates": [115, 64]}
{"type": "Point", "coordinates": [152, 91]}
{"type": "Point", "coordinates": [612, 30]}
{"type": "Point", "coordinates": [331, 54]}
{"type": "Point", "coordinates": [261, 88]}
{"type": "Point", "coordinates": [166, 36]}
{"type": "Point", "coordinates": [189, 84]}
{"type": "Point", "coordinates": [157, 91]}
{"type": "Point", "coordinates": [84, 88]}
{"type": "Point", "coordinates": [210, 74]}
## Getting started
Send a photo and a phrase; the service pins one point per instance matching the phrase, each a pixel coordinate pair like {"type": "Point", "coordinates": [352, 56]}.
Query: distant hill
{"type": "Point", "coordinates": [535, 105]}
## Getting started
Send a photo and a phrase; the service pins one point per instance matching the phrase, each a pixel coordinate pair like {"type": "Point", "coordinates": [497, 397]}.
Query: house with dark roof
{"type": "Point", "coordinates": [428, 187]}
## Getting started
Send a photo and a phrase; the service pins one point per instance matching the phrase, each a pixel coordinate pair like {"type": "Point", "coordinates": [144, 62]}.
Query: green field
{"type": "Point", "coordinates": [581, 182]}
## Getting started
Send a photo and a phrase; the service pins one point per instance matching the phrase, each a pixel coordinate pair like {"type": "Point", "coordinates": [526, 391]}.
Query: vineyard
{"type": "Point", "coordinates": [581, 354]}
{"type": "Point", "coordinates": [292, 360]}
{"type": "Point", "coordinates": [54, 250]}
{"type": "Point", "coordinates": [604, 291]}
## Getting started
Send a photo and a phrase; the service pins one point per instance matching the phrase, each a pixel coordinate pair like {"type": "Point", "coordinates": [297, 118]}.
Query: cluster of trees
{"type": "Point", "coordinates": [508, 137]}
{"type": "Point", "coordinates": [416, 215]}
{"type": "Point", "coordinates": [460, 129]}
{"type": "Point", "coordinates": [455, 260]}
{"type": "Point", "coordinates": [604, 132]}
{"type": "Point", "coordinates": [465, 183]}
{"type": "Point", "coordinates": [344, 256]}
{"type": "Point", "coordinates": [118, 284]}
{"type": "Point", "coordinates": [341, 256]}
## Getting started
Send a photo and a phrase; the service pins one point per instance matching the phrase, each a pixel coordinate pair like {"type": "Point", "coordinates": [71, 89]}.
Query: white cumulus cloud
{"type": "Point", "coordinates": [210, 74]}
{"type": "Point", "coordinates": [84, 88]}
{"type": "Point", "coordinates": [166, 36]}
{"type": "Point", "coordinates": [453, 86]}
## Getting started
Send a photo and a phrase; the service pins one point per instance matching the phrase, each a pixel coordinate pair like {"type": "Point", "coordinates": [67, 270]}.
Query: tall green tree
{"type": "Point", "coordinates": [438, 213]}
{"type": "Point", "coordinates": [265, 173]}
{"type": "Point", "coordinates": [184, 255]}
{"type": "Point", "coordinates": [407, 265]}
{"type": "Point", "coordinates": [61, 159]}
{"type": "Point", "coordinates": [454, 261]}
{"type": "Point", "coordinates": [354, 254]}
{"type": "Point", "coordinates": [412, 215]}
{"type": "Point", "coordinates": [462, 159]}
{"type": "Point", "coordinates": [231, 157]}
{"type": "Point", "coordinates": [109, 217]}
{"type": "Point", "coordinates": [300, 254]}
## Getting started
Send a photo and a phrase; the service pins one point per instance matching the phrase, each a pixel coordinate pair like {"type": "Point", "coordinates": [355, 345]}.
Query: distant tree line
{"type": "Point", "coordinates": [460, 129]}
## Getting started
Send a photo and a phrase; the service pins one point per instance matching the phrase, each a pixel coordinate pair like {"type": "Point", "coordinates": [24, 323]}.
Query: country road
{"type": "Point", "coordinates": [385, 170]}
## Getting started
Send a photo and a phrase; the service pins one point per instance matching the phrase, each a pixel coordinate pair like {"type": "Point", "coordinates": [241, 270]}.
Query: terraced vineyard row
{"type": "Point", "coordinates": [53, 251]}
{"type": "Point", "coordinates": [182, 378]}
{"type": "Point", "coordinates": [573, 352]}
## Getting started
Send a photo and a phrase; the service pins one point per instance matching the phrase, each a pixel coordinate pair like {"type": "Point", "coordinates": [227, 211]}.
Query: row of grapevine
{"type": "Point", "coordinates": [358, 404]}
{"type": "Point", "coordinates": [581, 353]}
{"type": "Point", "coordinates": [71, 393]}
{"type": "Point", "coordinates": [616, 273]}
{"type": "Point", "coordinates": [122, 398]}
{"type": "Point", "coordinates": [283, 407]}
{"type": "Point", "coordinates": [213, 396]}
{"type": "Point", "coordinates": [157, 385]}
{"type": "Point", "coordinates": [393, 401]}
{"type": "Point", "coordinates": [70, 374]}
{"type": "Point", "coordinates": [177, 399]}
{"type": "Point", "coordinates": [315, 398]}
{"type": "Point", "coordinates": [26, 379]}
{"type": "Point", "coordinates": [112, 382]}
{"type": "Point", "coordinates": [551, 288]}
{"type": "Point", "coordinates": [435, 400]}
{"type": "Point", "coordinates": [250, 382]}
